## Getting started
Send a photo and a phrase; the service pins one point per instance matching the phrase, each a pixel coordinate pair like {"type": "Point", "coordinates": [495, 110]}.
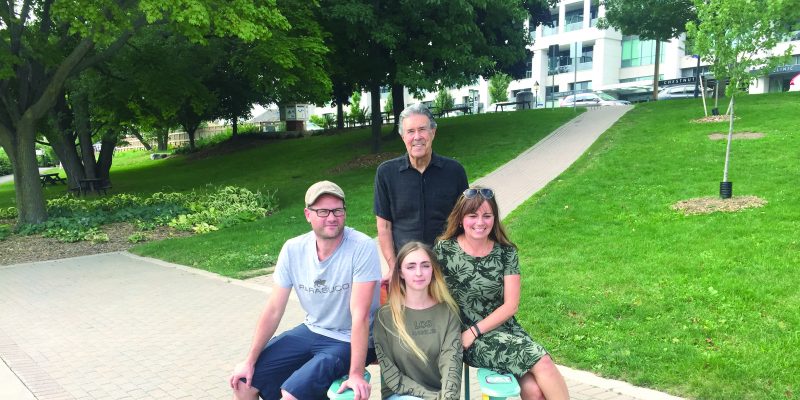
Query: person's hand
{"type": "Point", "coordinates": [361, 387]}
{"type": "Point", "coordinates": [243, 370]}
{"type": "Point", "coordinates": [386, 279]}
{"type": "Point", "coordinates": [467, 337]}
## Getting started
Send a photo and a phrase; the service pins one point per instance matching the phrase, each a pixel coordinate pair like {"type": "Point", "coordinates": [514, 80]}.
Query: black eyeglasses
{"type": "Point", "coordinates": [486, 193]}
{"type": "Point", "coordinates": [324, 212]}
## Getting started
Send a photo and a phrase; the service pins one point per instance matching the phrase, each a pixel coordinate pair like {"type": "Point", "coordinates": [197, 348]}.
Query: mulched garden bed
{"type": "Point", "coordinates": [18, 249]}
{"type": "Point", "coordinates": [708, 205]}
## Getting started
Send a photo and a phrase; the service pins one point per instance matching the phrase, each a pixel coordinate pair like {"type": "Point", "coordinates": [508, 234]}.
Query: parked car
{"type": "Point", "coordinates": [680, 92]}
{"type": "Point", "coordinates": [592, 99]}
{"type": "Point", "coordinates": [794, 84]}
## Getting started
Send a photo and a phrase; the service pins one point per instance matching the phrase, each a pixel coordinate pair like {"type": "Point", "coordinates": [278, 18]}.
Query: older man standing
{"type": "Point", "coordinates": [334, 271]}
{"type": "Point", "coordinates": [415, 192]}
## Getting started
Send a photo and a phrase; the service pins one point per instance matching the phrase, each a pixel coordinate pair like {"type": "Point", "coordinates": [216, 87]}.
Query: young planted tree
{"type": "Point", "coordinates": [443, 100]}
{"type": "Point", "coordinates": [736, 37]}
{"type": "Point", "coordinates": [658, 20]}
{"type": "Point", "coordinates": [498, 88]}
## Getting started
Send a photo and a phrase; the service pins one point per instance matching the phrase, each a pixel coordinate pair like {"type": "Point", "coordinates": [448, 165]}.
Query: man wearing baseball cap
{"type": "Point", "coordinates": [335, 272]}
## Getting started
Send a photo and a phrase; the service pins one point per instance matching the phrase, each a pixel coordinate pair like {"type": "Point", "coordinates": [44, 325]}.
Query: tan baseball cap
{"type": "Point", "coordinates": [320, 188]}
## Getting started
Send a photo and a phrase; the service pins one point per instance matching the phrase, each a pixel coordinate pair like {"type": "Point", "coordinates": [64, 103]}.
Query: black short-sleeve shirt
{"type": "Point", "coordinates": [417, 204]}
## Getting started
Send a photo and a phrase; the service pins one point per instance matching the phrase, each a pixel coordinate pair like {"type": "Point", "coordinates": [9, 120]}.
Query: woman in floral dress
{"type": "Point", "coordinates": [481, 268]}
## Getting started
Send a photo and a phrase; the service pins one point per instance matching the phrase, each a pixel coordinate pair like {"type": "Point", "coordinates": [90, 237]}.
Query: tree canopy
{"type": "Point", "coordinates": [658, 20]}
{"type": "Point", "coordinates": [46, 43]}
{"type": "Point", "coordinates": [425, 47]}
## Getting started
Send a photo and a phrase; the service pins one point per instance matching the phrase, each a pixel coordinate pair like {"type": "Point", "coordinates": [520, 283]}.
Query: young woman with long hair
{"type": "Point", "coordinates": [481, 267]}
{"type": "Point", "coordinates": [418, 332]}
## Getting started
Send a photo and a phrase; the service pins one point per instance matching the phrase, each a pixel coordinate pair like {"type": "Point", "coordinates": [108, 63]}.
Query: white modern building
{"type": "Point", "coordinates": [574, 55]}
{"type": "Point", "coordinates": [620, 65]}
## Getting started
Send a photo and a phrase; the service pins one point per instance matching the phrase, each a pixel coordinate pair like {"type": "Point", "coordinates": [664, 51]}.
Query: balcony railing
{"type": "Point", "coordinates": [565, 65]}
{"type": "Point", "coordinates": [548, 31]}
{"type": "Point", "coordinates": [573, 26]}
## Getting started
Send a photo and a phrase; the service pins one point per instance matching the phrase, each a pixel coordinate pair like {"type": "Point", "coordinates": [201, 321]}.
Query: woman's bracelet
{"type": "Point", "coordinates": [477, 330]}
{"type": "Point", "coordinates": [473, 332]}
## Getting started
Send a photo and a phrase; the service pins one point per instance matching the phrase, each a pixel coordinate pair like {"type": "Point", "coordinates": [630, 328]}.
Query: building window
{"type": "Point", "coordinates": [549, 90]}
{"type": "Point", "coordinates": [594, 13]}
{"type": "Point", "coordinates": [573, 20]}
{"type": "Point", "coordinates": [690, 72]}
{"type": "Point", "coordinates": [585, 85]}
{"type": "Point", "coordinates": [637, 52]}
{"type": "Point", "coordinates": [551, 30]}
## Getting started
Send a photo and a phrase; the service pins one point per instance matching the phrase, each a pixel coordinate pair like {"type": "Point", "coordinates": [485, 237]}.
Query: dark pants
{"type": "Point", "coordinates": [301, 362]}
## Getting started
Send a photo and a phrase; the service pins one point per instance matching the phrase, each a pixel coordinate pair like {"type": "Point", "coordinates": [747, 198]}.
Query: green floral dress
{"type": "Point", "coordinates": [476, 283]}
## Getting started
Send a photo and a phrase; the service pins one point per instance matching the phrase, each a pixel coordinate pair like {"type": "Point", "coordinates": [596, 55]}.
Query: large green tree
{"type": "Point", "coordinates": [46, 43]}
{"type": "Point", "coordinates": [659, 20]}
{"type": "Point", "coordinates": [737, 38]}
{"type": "Point", "coordinates": [421, 46]}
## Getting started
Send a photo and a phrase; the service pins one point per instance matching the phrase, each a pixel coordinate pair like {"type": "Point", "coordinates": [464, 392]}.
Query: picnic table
{"type": "Point", "coordinates": [504, 104]}
{"type": "Point", "coordinates": [464, 108]}
{"type": "Point", "coordinates": [51, 179]}
{"type": "Point", "coordinates": [89, 185]}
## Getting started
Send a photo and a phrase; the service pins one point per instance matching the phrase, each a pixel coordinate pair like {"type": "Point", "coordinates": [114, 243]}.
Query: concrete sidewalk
{"type": "Point", "coordinates": [520, 178]}
{"type": "Point", "coordinates": [119, 326]}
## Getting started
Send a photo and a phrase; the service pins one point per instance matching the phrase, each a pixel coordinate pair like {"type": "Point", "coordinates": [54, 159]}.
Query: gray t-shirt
{"type": "Point", "coordinates": [324, 288]}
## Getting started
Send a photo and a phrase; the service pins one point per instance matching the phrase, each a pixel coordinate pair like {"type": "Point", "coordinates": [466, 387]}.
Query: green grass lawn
{"type": "Point", "coordinates": [481, 142]}
{"type": "Point", "coordinates": [704, 306]}
{"type": "Point", "coordinates": [614, 281]}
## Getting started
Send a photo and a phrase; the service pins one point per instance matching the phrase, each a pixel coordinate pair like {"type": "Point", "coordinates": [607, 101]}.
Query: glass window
{"type": "Point", "coordinates": [585, 85]}
{"type": "Point", "coordinates": [636, 52]}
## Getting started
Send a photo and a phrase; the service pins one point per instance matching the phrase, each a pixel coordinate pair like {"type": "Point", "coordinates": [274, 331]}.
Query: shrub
{"type": "Point", "coordinates": [8, 213]}
{"type": "Point", "coordinates": [227, 206]}
{"type": "Point", "coordinates": [5, 231]}
{"type": "Point", "coordinates": [73, 219]}
{"type": "Point", "coordinates": [5, 165]}
{"type": "Point", "coordinates": [96, 236]}
{"type": "Point", "coordinates": [138, 237]}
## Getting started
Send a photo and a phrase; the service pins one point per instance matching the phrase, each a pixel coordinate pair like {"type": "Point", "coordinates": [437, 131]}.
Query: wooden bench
{"type": "Point", "coordinates": [458, 107]}
{"type": "Point", "coordinates": [92, 185]}
{"type": "Point", "coordinates": [51, 179]}
{"type": "Point", "coordinates": [502, 105]}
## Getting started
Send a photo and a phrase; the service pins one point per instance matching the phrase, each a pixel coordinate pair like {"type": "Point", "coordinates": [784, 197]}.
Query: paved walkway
{"type": "Point", "coordinates": [119, 326]}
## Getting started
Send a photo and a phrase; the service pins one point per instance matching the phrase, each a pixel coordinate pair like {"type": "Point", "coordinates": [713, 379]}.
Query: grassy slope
{"type": "Point", "coordinates": [481, 143]}
{"type": "Point", "coordinates": [702, 306]}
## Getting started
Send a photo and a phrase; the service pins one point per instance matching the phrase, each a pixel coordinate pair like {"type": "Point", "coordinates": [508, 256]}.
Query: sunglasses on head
{"type": "Point", "coordinates": [486, 193]}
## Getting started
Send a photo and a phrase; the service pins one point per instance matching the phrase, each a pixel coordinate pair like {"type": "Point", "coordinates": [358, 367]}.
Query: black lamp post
{"type": "Point", "coordinates": [536, 94]}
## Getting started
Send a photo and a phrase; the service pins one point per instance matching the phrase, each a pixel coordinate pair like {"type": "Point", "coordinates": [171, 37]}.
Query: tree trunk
{"type": "Point", "coordinates": [191, 133]}
{"type": "Point", "coordinates": [655, 73]}
{"type": "Point", "coordinates": [339, 114]}
{"type": "Point", "coordinates": [162, 137]}
{"type": "Point", "coordinates": [375, 104]}
{"type": "Point", "coordinates": [107, 145]}
{"type": "Point", "coordinates": [137, 135]}
{"type": "Point", "coordinates": [30, 198]}
{"type": "Point", "coordinates": [63, 142]}
{"type": "Point", "coordinates": [80, 105]}
{"type": "Point", "coordinates": [235, 127]}
{"type": "Point", "coordinates": [398, 105]}
{"type": "Point", "coordinates": [730, 138]}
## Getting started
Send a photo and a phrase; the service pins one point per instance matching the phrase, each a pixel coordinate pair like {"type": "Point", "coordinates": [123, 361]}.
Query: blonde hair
{"type": "Point", "coordinates": [437, 289]}
{"type": "Point", "coordinates": [466, 206]}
